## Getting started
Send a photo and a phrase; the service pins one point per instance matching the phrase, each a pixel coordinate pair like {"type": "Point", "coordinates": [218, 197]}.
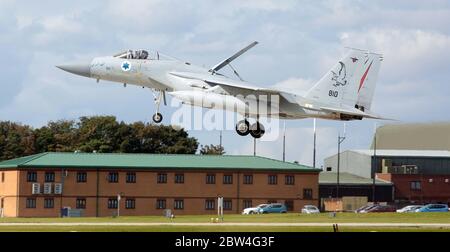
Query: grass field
{"type": "Point", "coordinates": [265, 218]}
{"type": "Point", "coordinates": [42, 224]}
{"type": "Point", "coordinates": [210, 229]}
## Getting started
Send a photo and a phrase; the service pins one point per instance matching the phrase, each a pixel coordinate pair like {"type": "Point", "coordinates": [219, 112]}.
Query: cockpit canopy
{"type": "Point", "coordinates": [133, 54]}
{"type": "Point", "coordinates": [143, 55]}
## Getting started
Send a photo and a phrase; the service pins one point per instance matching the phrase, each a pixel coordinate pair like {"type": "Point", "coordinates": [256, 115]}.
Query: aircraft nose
{"type": "Point", "coordinates": [79, 68]}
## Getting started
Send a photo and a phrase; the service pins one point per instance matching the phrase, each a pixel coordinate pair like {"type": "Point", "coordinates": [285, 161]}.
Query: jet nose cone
{"type": "Point", "coordinates": [81, 68]}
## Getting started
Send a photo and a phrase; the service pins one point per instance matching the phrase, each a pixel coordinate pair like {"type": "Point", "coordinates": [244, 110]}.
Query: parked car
{"type": "Point", "coordinates": [409, 209]}
{"type": "Point", "coordinates": [367, 208]}
{"type": "Point", "coordinates": [433, 208]}
{"type": "Point", "coordinates": [363, 208]}
{"type": "Point", "coordinates": [310, 209]}
{"type": "Point", "coordinates": [379, 209]}
{"type": "Point", "coordinates": [273, 208]}
{"type": "Point", "coordinates": [253, 210]}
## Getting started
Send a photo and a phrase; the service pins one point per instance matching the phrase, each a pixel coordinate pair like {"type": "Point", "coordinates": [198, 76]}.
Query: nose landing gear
{"type": "Point", "coordinates": [157, 117]}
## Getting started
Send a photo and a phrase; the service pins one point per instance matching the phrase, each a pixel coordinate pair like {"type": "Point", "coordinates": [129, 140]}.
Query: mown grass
{"type": "Point", "coordinates": [266, 218]}
{"type": "Point", "coordinates": [163, 228]}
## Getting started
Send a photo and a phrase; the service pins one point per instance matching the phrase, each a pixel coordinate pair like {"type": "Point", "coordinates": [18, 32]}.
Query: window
{"type": "Point", "coordinates": [49, 203]}
{"type": "Point", "coordinates": [272, 179]}
{"type": "Point", "coordinates": [276, 206]}
{"type": "Point", "coordinates": [289, 180]}
{"type": "Point", "coordinates": [162, 178]}
{"type": "Point", "coordinates": [81, 177]}
{"type": "Point", "coordinates": [271, 201]}
{"type": "Point", "coordinates": [131, 177]}
{"type": "Point", "coordinates": [3, 177]}
{"type": "Point", "coordinates": [329, 168]}
{"type": "Point", "coordinates": [247, 203]}
{"type": "Point", "coordinates": [31, 203]}
{"type": "Point", "coordinates": [248, 179]}
{"type": "Point", "coordinates": [130, 203]}
{"type": "Point", "coordinates": [178, 204]}
{"type": "Point", "coordinates": [80, 203]}
{"type": "Point", "coordinates": [112, 203]}
{"type": "Point", "coordinates": [49, 177]}
{"type": "Point", "coordinates": [210, 178]}
{"type": "Point", "coordinates": [228, 179]}
{"type": "Point", "coordinates": [289, 205]}
{"type": "Point", "coordinates": [179, 178]}
{"type": "Point", "coordinates": [32, 176]}
{"type": "Point", "coordinates": [227, 204]}
{"type": "Point", "coordinates": [160, 204]}
{"type": "Point", "coordinates": [210, 204]}
{"type": "Point", "coordinates": [415, 185]}
{"type": "Point", "coordinates": [307, 193]}
{"type": "Point", "coordinates": [113, 177]}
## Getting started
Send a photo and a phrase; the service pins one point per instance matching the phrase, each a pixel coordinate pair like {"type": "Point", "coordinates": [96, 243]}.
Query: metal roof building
{"type": "Point", "coordinates": [152, 161]}
{"type": "Point", "coordinates": [417, 175]}
{"type": "Point", "coordinates": [414, 136]}
{"type": "Point", "coordinates": [359, 162]}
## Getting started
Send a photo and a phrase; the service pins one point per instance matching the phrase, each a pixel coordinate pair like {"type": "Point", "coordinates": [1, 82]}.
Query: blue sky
{"type": "Point", "coordinates": [299, 42]}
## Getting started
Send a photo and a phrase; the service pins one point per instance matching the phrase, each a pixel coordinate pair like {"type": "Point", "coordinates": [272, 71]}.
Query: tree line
{"type": "Point", "coordinates": [103, 134]}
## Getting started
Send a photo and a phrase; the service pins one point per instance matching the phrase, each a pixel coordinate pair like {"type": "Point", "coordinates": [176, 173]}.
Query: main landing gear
{"type": "Point", "coordinates": [244, 128]}
{"type": "Point", "coordinates": [157, 117]}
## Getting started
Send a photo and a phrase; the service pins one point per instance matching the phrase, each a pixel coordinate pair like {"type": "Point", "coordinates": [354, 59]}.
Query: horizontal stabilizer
{"type": "Point", "coordinates": [353, 111]}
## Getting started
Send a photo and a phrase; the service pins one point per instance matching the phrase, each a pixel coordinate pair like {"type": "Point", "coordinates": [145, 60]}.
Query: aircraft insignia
{"type": "Point", "coordinates": [126, 66]}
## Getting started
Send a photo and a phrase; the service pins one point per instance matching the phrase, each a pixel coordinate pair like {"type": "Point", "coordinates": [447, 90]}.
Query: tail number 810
{"type": "Point", "coordinates": [333, 93]}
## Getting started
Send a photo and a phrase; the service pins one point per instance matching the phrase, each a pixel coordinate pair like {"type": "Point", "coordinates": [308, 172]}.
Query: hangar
{"type": "Point", "coordinates": [146, 184]}
{"type": "Point", "coordinates": [418, 176]}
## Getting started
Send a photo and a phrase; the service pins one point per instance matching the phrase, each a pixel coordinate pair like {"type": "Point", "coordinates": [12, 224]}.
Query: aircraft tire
{"type": "Point", "coordinates": [257, 130]}
{"type": "Point", "coordinates": [157, 118]}
{"type": "Point", "coordinates": [240, 125]}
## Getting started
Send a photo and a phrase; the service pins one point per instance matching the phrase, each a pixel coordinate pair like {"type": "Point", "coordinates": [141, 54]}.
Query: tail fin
{"type": "Point", "coordinates": [339, 85]}
{"type": "Point", "coordinates": [367, 80]}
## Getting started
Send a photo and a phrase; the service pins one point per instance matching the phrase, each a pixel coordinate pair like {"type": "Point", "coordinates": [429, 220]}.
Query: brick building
{"type": "Point", "coordinates": [41, 185]}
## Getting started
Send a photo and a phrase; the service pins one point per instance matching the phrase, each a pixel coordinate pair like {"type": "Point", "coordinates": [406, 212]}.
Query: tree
{"type": "Point", "coordinates": [212, 150]}
{"type": "Point", "coordinates": [59, 136]}
{"type": "Point", "coordinates": [98, 133]}
{"type": "Point", "coordinates": [164, 139]}
{"type": "Point", "coordinates": [95, 133]}
{"type": "Point", "coordinates": [15, 140]}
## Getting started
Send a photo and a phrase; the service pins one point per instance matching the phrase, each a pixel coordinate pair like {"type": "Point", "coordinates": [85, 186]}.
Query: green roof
{"type": "Point", "coordinates": [330, 178]}
{"type": "Point", "coordinates": [151, 161]}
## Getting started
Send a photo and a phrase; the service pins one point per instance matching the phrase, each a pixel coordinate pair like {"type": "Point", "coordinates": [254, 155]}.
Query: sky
{"type": "Point", "coordinates": [298, 42]}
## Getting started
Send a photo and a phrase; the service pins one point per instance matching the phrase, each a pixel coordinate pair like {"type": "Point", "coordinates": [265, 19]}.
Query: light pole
{"type": "Point", "coordinates": [374, 163]}
{"type": "Point", "coordinates": [119, 196]}
{"type": "Point", "coordinates": [314, 148]}
{"type": "Point", "coordinates": [340, 140]}
{"type": "Point", "coordinates": [284, 143]}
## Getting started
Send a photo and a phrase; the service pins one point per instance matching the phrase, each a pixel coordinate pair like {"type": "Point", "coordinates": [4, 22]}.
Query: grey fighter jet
{"type": "Point", "coordinates": [344, 93]}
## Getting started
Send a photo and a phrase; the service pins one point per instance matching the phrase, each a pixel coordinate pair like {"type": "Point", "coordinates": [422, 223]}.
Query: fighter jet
{"type": "Point", "coordinates": [344, 93]}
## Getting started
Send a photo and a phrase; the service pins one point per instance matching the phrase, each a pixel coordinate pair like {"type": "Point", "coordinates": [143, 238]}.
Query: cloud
{"type": "Point", "coordinates": [299, 42]}
{"type": "Point", "coordinates": [408, 53]}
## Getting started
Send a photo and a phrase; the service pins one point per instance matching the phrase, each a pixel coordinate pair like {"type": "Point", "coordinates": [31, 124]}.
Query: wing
{"type": "Point", "coordinates": [226, 83]}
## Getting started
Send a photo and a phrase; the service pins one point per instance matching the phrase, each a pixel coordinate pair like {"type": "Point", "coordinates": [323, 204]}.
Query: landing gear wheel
{"type": "Point", "coordinates": [243, 128]}
{"type": "Point", "coordinates": [257, 130]}
{"type": "Point", "coordinates": [157, 118]}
